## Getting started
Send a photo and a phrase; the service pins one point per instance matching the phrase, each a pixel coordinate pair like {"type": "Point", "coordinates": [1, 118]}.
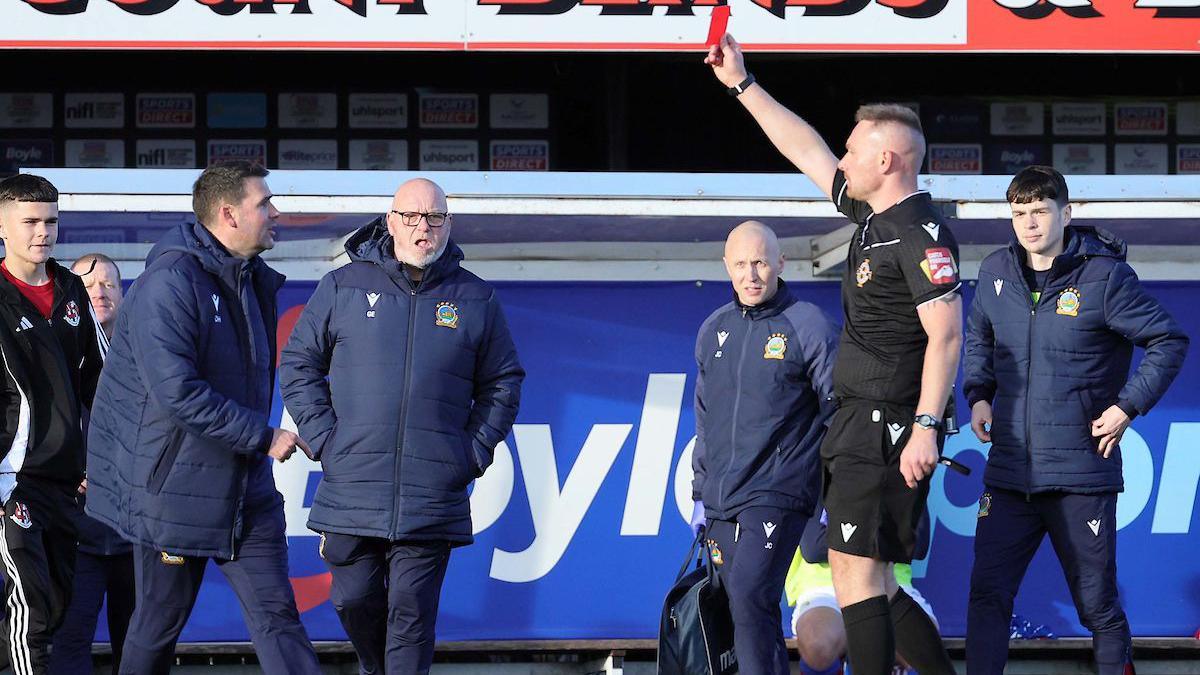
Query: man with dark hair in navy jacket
{"type": "Point", "coordinates": [1050, 339]}
{"type": "Point", "coordinates": [180, 447]}
{"type": "Point", "coordinates": [764, 393]}
{"type": "Point", "coordinates": [402, 372]}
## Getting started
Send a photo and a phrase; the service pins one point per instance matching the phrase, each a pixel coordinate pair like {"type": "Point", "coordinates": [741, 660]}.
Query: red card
{"type": "Point", "coordinates": [716, 29]}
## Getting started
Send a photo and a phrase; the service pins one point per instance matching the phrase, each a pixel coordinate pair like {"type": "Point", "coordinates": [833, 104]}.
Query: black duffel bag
{"type": "Point", "coordinates": [695, 636]}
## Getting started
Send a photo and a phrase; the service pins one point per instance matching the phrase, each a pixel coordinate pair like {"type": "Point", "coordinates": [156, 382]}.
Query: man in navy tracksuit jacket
{"type": "Point", "coordinates": [763, 397]}
{"type": "Point", "coordinates": [402, 372]}
{"type": "Point", "coordinates": [1049, 341]}
{"type": "Point", "coordinates": [179, 441]}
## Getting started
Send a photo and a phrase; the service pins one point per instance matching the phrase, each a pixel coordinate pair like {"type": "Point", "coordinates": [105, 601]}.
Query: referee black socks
{"type": "Point", "coordinates": [870, 642]}
{"type": "Point", "coordinates": [917, 639]}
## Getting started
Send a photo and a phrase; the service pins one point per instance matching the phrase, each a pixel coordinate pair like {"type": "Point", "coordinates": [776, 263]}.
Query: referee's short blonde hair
{"type": "Point", "coordinates": [890, 112]}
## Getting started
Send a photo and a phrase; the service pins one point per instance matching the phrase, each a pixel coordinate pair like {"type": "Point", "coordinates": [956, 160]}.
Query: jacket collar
{"type": "Point", "coordinates": [1080, 242]}
{"type": "Point", "coordinates": [372, 243]}
{"type": "Point", "coordinates": [778, 302]}
{"type": "Point", "coordinates": [195, 240]}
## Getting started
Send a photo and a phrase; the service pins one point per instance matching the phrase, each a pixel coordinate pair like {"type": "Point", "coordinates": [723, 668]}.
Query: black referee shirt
{"type": "Point", "coordinates": [899, 259]}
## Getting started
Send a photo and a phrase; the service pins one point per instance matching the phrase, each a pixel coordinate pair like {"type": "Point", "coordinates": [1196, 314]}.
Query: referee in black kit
{"type": "Point", "coordinates": [896, 362]}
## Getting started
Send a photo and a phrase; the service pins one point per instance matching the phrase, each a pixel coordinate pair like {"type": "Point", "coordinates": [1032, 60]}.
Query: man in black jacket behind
{"type": "Point", "coordinates": [51, 355]}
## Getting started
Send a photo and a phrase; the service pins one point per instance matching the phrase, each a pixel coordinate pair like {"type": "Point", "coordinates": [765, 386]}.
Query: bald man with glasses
{"type": "Point", "coordinates": [402, 371]}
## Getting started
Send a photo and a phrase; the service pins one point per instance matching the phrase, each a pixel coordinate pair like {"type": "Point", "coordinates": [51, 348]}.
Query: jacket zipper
{"type": "Point", "coordinates": [737, 397]}
{"type": "Point", "coordinates": [249, 364]}
{"type": "Point", "coordinates": [408, 358]}
{"type": "Point", "coordinates": [1028, 380]}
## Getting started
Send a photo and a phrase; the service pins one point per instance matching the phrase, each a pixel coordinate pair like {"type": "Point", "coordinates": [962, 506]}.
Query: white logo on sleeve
{"type": "Point", "coordinates": [1094, 526]}
{"type": "Point", "coordinates": [999, 284]}
{"type": "Point", "coordinates": [895, 431]}
{"type": "Point", "coordinates": [769, 528]}
{"type": "Point", "coordinates": [216, 307]}
{"type": "Point", "coordinates": [721, 337]}
{"type": "Point", "coordinates": [932, 229]}
{"type": "Point", "coordinates": [372, 298]}
{"type": "Point", "coordinates": [848, 531]}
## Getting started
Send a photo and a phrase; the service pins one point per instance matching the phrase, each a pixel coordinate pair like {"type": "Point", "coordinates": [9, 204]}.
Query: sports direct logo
{"type": "Point", "coordinates": [520, 155]}
{"type": "Point", "coordinates": [1188, 160]}
{"type": "Point", "coordinates": [450, 111]}
{"type": "Point", "coordinates": [1141, 119]}
{"type": "Point", "coordinates": [964, 158]}
{"type": "Point", "coordinates": [166, 110]}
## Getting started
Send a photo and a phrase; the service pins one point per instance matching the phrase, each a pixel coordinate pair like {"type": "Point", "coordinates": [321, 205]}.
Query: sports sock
{"type": "Point", "coordinates": [870, 641]}
{"type": "Point", "coordinates": [917, 639]}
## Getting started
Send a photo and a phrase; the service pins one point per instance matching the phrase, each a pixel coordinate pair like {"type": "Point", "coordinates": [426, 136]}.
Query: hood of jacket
{"type": "Point", "coordinates": [1080, 243]}
{"type": "Point", "coordinates": [373, 243]}
{"type": "Point", "coordinates": [195, 240]}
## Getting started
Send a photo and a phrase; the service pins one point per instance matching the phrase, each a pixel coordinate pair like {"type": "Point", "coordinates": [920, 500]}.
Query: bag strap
{"type": "Point", "coordinates": [700, 544]}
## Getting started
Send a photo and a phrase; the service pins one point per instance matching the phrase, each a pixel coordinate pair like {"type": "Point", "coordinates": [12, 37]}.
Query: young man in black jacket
{"type": "Point", "coordinates": [50, 350]}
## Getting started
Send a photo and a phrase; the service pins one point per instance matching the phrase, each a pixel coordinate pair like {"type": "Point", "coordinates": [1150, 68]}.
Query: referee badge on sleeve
{"type": "Point", "coordinates": [939, 267]}
{"type": "Point", "coordinates": [776, 347]}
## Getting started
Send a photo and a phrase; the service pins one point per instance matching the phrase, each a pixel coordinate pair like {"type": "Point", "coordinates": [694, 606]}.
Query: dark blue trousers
{"type": "Point", "coordinates": [1083, 531]}
{"type": "Point", "coordinates": [386, 594]}
{"type": "Point", "coordinates": [755, 551]}
{"type": "Point", "coordinates": [167, 589]}
{"type": "Point", "coordinates": [97, 578]}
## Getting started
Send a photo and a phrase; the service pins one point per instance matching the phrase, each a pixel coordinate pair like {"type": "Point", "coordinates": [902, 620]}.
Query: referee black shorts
{"type": "Point", "coordinates": [872, 512]}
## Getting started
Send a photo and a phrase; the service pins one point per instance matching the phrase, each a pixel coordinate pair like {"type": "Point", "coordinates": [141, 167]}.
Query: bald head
{"type": "Point", "coordinates": [753, 260]}
{"type": "Point", "coordinates": [419, 224]}
{"type": "Point", "coordinates": [753, 233]}
{"type": "Point", "coordinates": [419, 190]}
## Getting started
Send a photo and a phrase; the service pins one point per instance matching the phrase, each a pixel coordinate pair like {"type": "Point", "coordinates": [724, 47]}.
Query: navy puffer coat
{"type": "Point", "coordinates": [403, 391]}
{"type": "Point", "coordinates": [1049, 370]}
{"type": "Point", "coordinates": [180, 419]}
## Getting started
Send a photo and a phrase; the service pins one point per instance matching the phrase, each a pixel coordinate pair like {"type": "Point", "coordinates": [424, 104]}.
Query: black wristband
{"type": "Point", "coordinates": [741, 86]}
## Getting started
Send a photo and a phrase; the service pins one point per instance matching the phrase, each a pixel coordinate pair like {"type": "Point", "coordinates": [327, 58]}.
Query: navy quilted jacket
{"type": "Point", "coordinates": [1050, 370]}
{"type": "Point", "coordinates": [402, 390]}
{"type": "Point", "coordinates": [180, 416]}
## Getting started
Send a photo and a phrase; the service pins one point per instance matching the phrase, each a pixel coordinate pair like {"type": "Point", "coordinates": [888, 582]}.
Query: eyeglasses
{"type": "Point", "coordinates": [412, 218]}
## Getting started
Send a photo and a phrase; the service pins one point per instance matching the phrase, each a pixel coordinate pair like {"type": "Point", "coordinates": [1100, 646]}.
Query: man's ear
{"type": "Point", "coordinates": [227, 215]}
{"type": "Point", "coordinates": [1066, 215]}
{"type": "Point", "coordinates": [887, 161]}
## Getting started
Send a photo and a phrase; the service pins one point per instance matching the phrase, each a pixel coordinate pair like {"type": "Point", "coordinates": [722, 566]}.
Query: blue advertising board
{"type": "Point", "coordinates": [581, 521]}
